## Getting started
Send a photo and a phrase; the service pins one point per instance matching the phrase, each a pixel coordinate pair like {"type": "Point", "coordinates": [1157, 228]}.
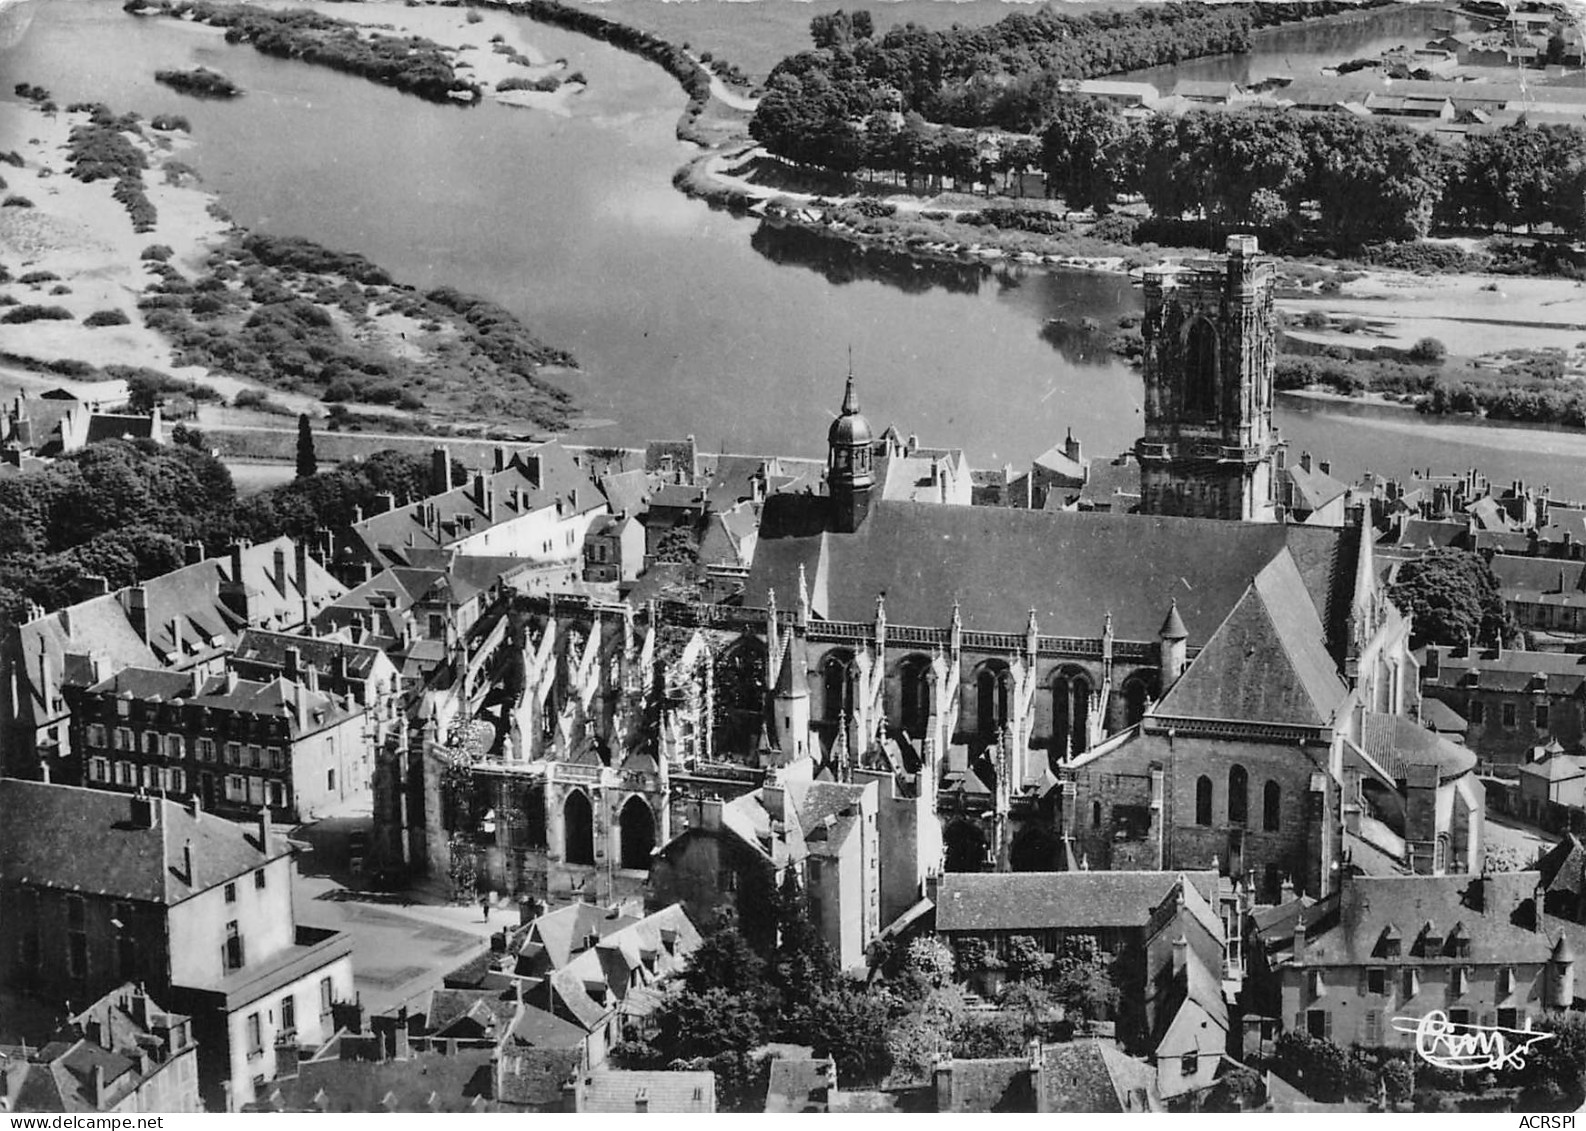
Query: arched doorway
{"type": "Point", "coordinates": [578, 829]}
{"type": "Point", "coordinates": [637, 827]}
{"type": "Point", "coordinates": [966, 848]}
{"type": "Point", "coordinates": [1034, 850]}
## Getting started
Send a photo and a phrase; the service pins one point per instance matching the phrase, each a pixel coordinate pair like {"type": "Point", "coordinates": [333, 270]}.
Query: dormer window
{"type": "Point", "coordinates": [1431, 941]}
{"type": "Point", "coordinates": [1459, 942]}
{"type": "Point", "coordinates": [1388, 944]}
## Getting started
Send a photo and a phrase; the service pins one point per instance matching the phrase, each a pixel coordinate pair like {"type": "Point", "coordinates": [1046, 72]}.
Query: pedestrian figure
{"type": "Point", "coordinates": [484, 904]}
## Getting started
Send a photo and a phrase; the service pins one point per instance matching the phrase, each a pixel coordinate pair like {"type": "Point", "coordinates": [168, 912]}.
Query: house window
{"type": "Point", "coordinates": [277, 759]}
{"type": "Point", "coordinates": [1095, 814]}
{"type": "Point", "coordinates": [76, 936]}
{"type": "Point", "coordinates": [330, 780]}
{"type": "Point", "coordinates": [289, 1013]}
{"type": "Point", "coordinates": [206, 749]}
{"type": "Point", "coordinates": [1377, 981]}
{"type": "Point", "coordinates": [96, 735]}
{"type": "Point", "coordinates": [1412, 982]}
{"type": "Point", "coordinates": [151, 742]}
{"type": "Point", "coordinates": [178, 781]}
{"type": "Point", "coordinates": [253, 761]}
{"type": "Point", "coordinates": [1271, 807]}
{"type": "Point", "coordinates": [1477, 711]}
{"type": "Point", "coordinates": [258, 880]}
{"type": "Point", "coordinates": [173, 746]}
{"type": "Point", "coordinates": [1510, 1019]}
{"type": "Point", "coordinates": [1506, 981]}
{"type": "Point", "coordinates": [231, 893]}
{"type": "Point", "coordinates": [1318, 984]}
{"type": "Point", "coordinates": [98, 769]}
{"type": "Point", "coordinates": [233, 753]}
{"type": "Point", "coordinates": [326, 996]}
{"type": "Point", "coordinates": [1541, 716]}
{"type": "Point", "coordinates": [233, 951]}
{"type": "Point", "coordinates": [123, 739]}
{"type": "Point", "coordinates": [277, 795]}
{"type": "Point", "coordinates": [1203, 801]}
{"type": "Point", "coordinates": [1190, 1063]}
{"type": "Point", "coordinates": [1459, 1016]}
{"type": "Point", "coordinates": [255, 1036]}
{"type": "Point", "coordinates": [236, 788]}
{"type": "Point", "coordinates": [1238, 786]}
{"type": "Point", "coordinates": [1508, 715]}
{"type": "Point", "coordinates": [123, 708]}
{"type": "Point", "coordinates": [124, 773]}
{"type": "Point", "coordinates": [1371, 1033]}
{"type": "Point", "coordinates": [1319, 1023]}
{"type": "Point", "coordinates": [1458, 980]}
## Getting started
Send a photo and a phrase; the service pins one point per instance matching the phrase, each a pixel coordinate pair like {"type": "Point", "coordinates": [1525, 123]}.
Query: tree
{"type": "Point", "coordinates": [1397, 1080]}
{"type": "Point", "coordinates": [931, 960]}
{"type": "Point", "coordinates": [802, 963]}
{"type": "Point", "coordinates": [1026, 959]}
{"type": "Point", "coordinates": [690, 1024]}
{"type": "Point", "coordinates": [1085, 988]}
{"type": "Point", "coordinates": [853, 1028]}
{"type": "Point", "coordinates": [988, 1036]}
{"type": "Point", "coordinates": [724, 960]}
{"type": "Point", "coordinates": [1428, 350]}
{"type": "Point", "coordinates": [1239, 1090]}
{"type": "Point", "coordinates": [1454, 597]}
{"type": "Point", "coordinates": [1031, 1002]}
{"type": "Point", "coordinates": [307, 462]}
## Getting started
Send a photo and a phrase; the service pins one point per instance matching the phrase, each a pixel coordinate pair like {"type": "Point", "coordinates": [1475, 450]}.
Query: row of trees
{"type": "Point", "coordinates": [1005, 74]}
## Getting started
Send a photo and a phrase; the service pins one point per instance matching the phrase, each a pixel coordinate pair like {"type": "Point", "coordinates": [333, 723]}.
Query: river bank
{"type": "Point", "coordinates": [276, 326]}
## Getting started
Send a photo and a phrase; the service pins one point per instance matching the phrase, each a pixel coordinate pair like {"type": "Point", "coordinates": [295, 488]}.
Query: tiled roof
{"type": "Point", "coordinates": [563, 933]}
{"type": "Point", "coordinates": [1562, 673]}
{"type": "Point", "coordinates": [535, 1028]}
{"type": "Point", "coordinates": [1564, 866]}
{"type": "Point", "coordinates": [1498, 921]}
{"type": "Point", "coordinates": [996, 563]}
{"type": "Point", "coordinates": [1075, 1078]}
{"type": "Point", "coordinates": [616, 1091]}
{"type": "Point", "coordinates": [490, 1010]}
{"type": "Point", "coordinates": [1395, 743]}
{"type": "Point", "coordinates": [534, 1077]}
{"type": "Point", "coordinates": [275, 698]}
{"type": "Point", "coordinates": [1314, 489]}
{"type": "Point", "coordinates": [990, 1085]}
{"type": "Point", "coordinates": [627, 492]}
{"type": "Point", "coordinates": [425, 1082]}
{"type": "Point", "coordinates": [1559, 767]}
{"type": "Point", "coordinates": [1274, 630]}
{"type": "Point", "coordinates": [798, 1084]}
{"type": "Point", "coordinates": [1439, 716]}
{"type": "Point", "coordinates": [1027, 901]}
{"type": "Point", "coordinates": [84, 839]}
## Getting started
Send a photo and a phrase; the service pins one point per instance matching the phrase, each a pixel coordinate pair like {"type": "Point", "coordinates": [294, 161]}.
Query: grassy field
{"type": "Point", "coordinates": [757, 34]}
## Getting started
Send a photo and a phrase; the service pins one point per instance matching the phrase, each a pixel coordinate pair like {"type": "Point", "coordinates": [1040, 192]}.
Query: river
{"type": "Point", "coordinates": [687, 320]}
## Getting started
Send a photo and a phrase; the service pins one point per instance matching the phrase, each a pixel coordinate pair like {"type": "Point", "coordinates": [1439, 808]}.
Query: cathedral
{"type": "Point", "coordinates": [1200, 685]}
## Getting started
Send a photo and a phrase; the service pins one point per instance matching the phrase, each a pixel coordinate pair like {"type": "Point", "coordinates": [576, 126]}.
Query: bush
{"type": "Point", "coordinates": [170, 122]}
{"type": "Point", "coordinates": [1116, 228]}
{"type": "Point", "coordinates": [200, 81]}
{"type": "Point", "coordinates": [1315, 320]}
{"type": "Point", "coordinates": [106, 318]}
{"type": "Point", "coordinates": [1428, 350]}
{"type": "Point", "coordinates": [157, 252]}
{"type": "Point", "coordinates": [34, 278]}
{"type": "Point", "coordinates": [542, 85]}
{"type": "Point", "coordinates": [15, 201]}
{"type": "Point", "coordinates": [34, 313]}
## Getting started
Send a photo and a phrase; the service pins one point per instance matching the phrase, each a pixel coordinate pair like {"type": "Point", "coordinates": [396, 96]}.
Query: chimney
{"type": "Point", "coordinates": [279, 557]}
{"type": "Point", "coordinates": [1299, 939]}
{"type": "Point", "coordinates": [484, 497]}
{"type": "Point", "coordinates": [192, 553]}
{"type": "Point", "coordinates": [293, 663]}
{"type": "Point", "coordinates": [187, 852]}
{"type": "Point", "coordinates": [196, 681]}
{"type": "Point", "coordinates": [773, 799]}
{"type": "Point", "coordinates": [499, 462]}
{"type": "Point", "coordinates": [400, 1049]}
{"type": "Point", "coordinates": [231, 681]}
{"type": "Point", "coordinates": [710, 814]}
{"type": "Point", "coordinates": [137, 602]}
{"type": "Point", "coordinates": [311, 677]}
{"type": "Point", "coordinates": [234, 588]}
{"type": "Point", "coordinates": [1325, 467]}
{"type": "Point", "coordinates": [300, 564]}
{"type": "Point", "coordinates": [264, 828]}
{"type": "Point", "coordinates": [1305, 461]}
{"type": "Point", "coordinates": [1180, 954]}
{"type": "Point", "coordinates": [943, 1078]}
{"type": "Point", "coordinates": [386, 501]}
{"type": "Point", "coordinates": [97, 1085]}
{"type": "Point", "coordinates": [440, 470]}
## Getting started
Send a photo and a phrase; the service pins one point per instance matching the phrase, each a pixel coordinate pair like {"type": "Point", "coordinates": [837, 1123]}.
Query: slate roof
{"type": "Point", "coordinates": [1439, 716]}
{"type": "Point", "coordinates": [535, 1028]}
{"type": "Point", "coordinates": [1498, 922]}
{"type": "Point", "coordinates": [275, 698]}
{"type": "Point", "coordinates": [425, 1082]}
{"type": "Point", "coordinates": [69, 838]}
{"type": "Point", "coordinates": [1562, 673]}
{"type": "Point", "coordinates": [683, 1093]}
{"type": "Point", "coordinates": [268, 649]}
{"type": "Point", "coordinates": [1025, 901]}
{"type": "Point", "coordinates": [490, 1010]}
{"type": "Point", "coordinates": [1274, 630]}
{"type": "Point", "coordinates": [557, 936]}
{"type": "Point", "coordinates": [997, 563]}
{"type": "Point", "coordinates": [1314, 489]}
{"type": "Point", "coordinates": [627, 492]}
{"type": "Point", "coordinates": [1563, 868]}
{"type": "Point", "coordinates": [1395, 743]}
{"type": "Point", "coordinates": [545, 476]}
{"type": "Point", "coordinates": [1558, 767]}
{"type": "Point", "coordinates": [1076, 1078]}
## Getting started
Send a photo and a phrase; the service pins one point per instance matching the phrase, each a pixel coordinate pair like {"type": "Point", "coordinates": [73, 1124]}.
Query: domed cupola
{"type": "Point", "coordinates": [850, 461]}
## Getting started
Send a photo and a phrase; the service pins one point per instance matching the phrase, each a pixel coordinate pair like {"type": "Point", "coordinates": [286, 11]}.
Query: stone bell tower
{"type": "Point", "coordinates": [1209, 445]}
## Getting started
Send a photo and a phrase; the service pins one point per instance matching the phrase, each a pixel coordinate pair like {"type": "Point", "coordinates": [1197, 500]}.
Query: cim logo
{"type": "Point", "coordinates": [1467, 1048]}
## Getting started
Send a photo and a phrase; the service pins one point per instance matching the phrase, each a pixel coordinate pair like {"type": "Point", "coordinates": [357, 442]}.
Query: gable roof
{"type": "Point", "coordinates": [1022, 901]}
{"type": "Point", "coordinates": [1274, 630]}
{"type": "Point", "coordinates": [1396, 743]}
{"type": "Point", "coordinates": [65, 837]}
{"type": "Point", "coordinates": [613, 1090]}
{"type": "Point", "coordinates": [534, 1077]}
{"type": "Point", "coordinates": [799, 1084]}
{"type": "Point", "coordinates": [997, 563]}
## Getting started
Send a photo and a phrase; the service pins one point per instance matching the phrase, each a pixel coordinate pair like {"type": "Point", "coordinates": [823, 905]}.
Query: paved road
{"type": "Point", "coordinates": [403, 943]}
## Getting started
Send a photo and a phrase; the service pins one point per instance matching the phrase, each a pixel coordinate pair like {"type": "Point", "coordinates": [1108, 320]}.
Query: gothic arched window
{"type": "Point", "coordinates": [1271, 805]}
{"type": "Point", "coordinates": [1070, 712]}
{"type": "Point", "coordinates": [837, 685]}
{"type": "Point", "coordinates": [1238, 799]}
{"type": "Point", "coordinates": [992, 687]}
{"type": "Point", "coordinates": [578, 829]}
{"type": "Point", "coordinates": [638, 834]}
{"type": "Point", "coordinates": [1203, 801]}
{"type": "Point", "coordinates": [915, 676]}
{"type": "Point", "coordinates": [1200, 369]}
